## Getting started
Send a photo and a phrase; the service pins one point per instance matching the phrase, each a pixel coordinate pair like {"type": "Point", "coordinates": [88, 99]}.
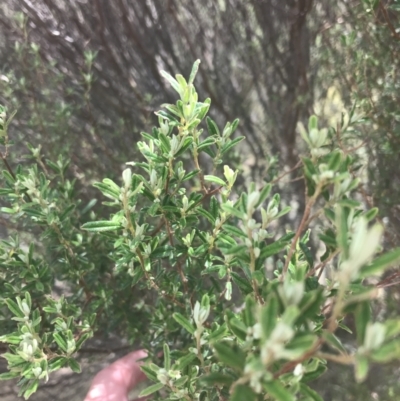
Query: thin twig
{"type": "Point", "coordinates": [287, 172]}
{"type": "Point", "coordinates": [299, 231]}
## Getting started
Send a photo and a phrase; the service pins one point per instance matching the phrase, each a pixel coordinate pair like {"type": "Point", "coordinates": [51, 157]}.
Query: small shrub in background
{"type": "Point", "coordinates": [228, 328]}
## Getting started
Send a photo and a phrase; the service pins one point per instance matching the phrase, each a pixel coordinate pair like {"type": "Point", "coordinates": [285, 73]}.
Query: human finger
{"type": "Point", "coordinates": [116, 381]}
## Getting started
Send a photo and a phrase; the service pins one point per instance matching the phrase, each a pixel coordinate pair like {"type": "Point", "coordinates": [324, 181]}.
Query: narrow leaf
{"type": "Point", "coordinates": [215, 378]}
{"type": "Point", "coordinates": [231, 144]}
{"type": "Point", "coordinates": [102, 225]}
{"type": "Point", "coordinates": [216, 180]}
{"type": "Point", "coordinates": [242, 392]}
{"type": "Point", "coordinates": [269, 315]}
{"type": "Point", "coordinates": [234, 358]}
{"type": "Point", "coordinates": [167, 357]}
{"type": "Point", "coordinates": [151, 389]}
{"type": "Point", "coordinates": [193, 73]}
{"type": "Point", "coordinates": [380, 264]}
{"type": "Point", "coordinates": [387, 352]}
{"type": "Point", "coordinates": [279, 392]}
{"type": "Point", "coordinates": [74, 365]}
{"type": "Point", "coordinates": [362, 317]}
{"type": "Point", "coordinates": [184, 322]}
{"type": "Point", "coordinates": [310, 393]}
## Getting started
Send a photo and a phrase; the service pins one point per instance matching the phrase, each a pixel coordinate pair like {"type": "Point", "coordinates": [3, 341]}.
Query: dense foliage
{"type": "Point", "coordinates": [230, 323]}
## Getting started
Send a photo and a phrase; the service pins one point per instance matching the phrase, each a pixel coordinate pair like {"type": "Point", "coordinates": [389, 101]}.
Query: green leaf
{"type": "Point", "coordinates": [67, 211]}
{"type": "Point", "coordinates": [205, 302]}
{"type": "Point", "coordinates": [274, 248]}
{"type": "Point", "coordinates": [312, 123]}
{"type": "Point", "coordinates": [235, 250]}
{"type": "Point", "coordinates": [276, 390]}
{"type": "Point", "coordinates": [181, 80]}
{"type": "Point", "coordinates": [164, 142]}
{"type": "Point", "coordinates": [232, 230]}
{"type": "Point", "coordinates": [216, 378]}
{"type": "Point", "coordinates": [380, 264]}
{"type": "Point", "coordinates": [31, 388]}
{"type": "Point", "coordinates": [392, 328]}
{"type": "Point", "coordinates": [203, 108]}
{"type": "Point", "coordinates": [216, 180]}
{"type": "Point", "coordinates": [371, 214]}
{"type": "Point", "coordinates": [167, 357]}
{"type": "Point", "coordinates": [84, 337]}
{"type": "Point", "coordinates": [150, 373]}
{"type": "Point", "coordinates": [330, 214]}
{"type": "Point", "coordinates": [309, 166]}
{"type": "Point", "coordinates": [6, 191]}
{"type": "Point", "coordinates": [8, 210]}
{"type": "Point", "coordinates": [238, 328]}
{"type": "Point", "coordinates": [231, 144]}
{"type": "Point", "coordinates": [186, 360]}
{"type": "Point", "coordinates": [61, 342]}
{"type": "Point", "coordinates": [88, 207]}
{"type": "Point", "coordinates": [181, 381]}
{"type": "Point", "coordinates": [174, 83]}
{"type": "Point", "coordinates": [362, 316]}
{"type": "Point", "coordinates": [193, 124]}
{"type": "Point", "coordinates": [301, 344]}
{"type": "Point", "coordinates": [361, 368]}
{"type": "Point", "coordinates": [205, 213]}
{"type": "Point", "coordinates": [387, 352]}
{"type": "Point", "coordinates": [264, 193]}
{"type": "Point", "coordinates": [269, 316]}
{"type": "Point", "coordinates": [307, 254]}
{"type": "Point", "coordinates": [243, 283]}
{"type": "Point", "coordinates": [74, 365]}
{"type": "Point", "coordinates": [234, 358]}
{"type": "Point", "coordinates": [230, 209]}
{"type": "Point", "coordinates": [342, 231]}
{"type": "Point", "coordinates": [335, 160]}
{"type": "Point", "coordinates": [32, 212]}
{"type": "Point", "coordinates": [190, 175]}
{"type": "Point", "coordinates": [214, 207]}
{"type": "Point", "coordinates": [218, 334]}
{"type": "Point", "coordinates": [193, 73]}
{"type": "Point", "coordinates": [333, 341]}
{"type": "Point", "coordinates": [243, 392]}
{"type": "Point", "coordinates": [168, 116]}
{"type": "Point", "coordinates": [248, 311]}
{"type": "Point", "coordinates": [186, 144]}
{"type": "Point", "coordinates": [212, 127]}
{"type": "Point", "coordinates": [14, 308]}
{"type": "Point", "coordinates": [310, 393]}
{"type": "Point", "coordinates": [9, 375]}
{"type": "Point", "coordinates": [206, 143]}
{"type": "Point", "coordinates": [352, 204]}
{"type": "Point", "coordinates": [184, 322]}
{"type": "Point", "coordinates": [108, 190]}
{"type": "Point", "coordinates": [101, 225]}
{"type": "Point", "coordinates": [12, 338]}
{"type": "Point", "coordinates": [57, 363]}
{"type": "Point", "coordinates": [53, 166]}
{"type": "Point", "coordinates": [309, 376]}
{"type": "Point", "coordinates": [28, 299]}
{"type": "Point", "coordinates": [284, 211]}
{"type": "Point", "coordinates": [151, 389]}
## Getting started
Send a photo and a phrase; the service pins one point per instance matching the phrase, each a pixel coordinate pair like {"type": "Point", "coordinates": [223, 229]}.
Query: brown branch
{"type": "Point", "coordinates": [299, 163]}
{"type": "Point", "coordinates": [387, 19]}
{"type": "Point", "coordinates": [388, 281]}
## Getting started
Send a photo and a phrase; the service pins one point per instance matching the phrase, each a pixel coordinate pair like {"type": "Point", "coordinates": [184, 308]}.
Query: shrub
{"type": "Point", "coordinates": [228, 327]}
